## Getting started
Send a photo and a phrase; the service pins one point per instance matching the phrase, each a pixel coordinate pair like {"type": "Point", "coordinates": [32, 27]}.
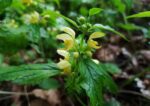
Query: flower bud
{"type": "Point", "coordinates": [76, 54]}
{"type": "Point", "coordinates": [81, 20]}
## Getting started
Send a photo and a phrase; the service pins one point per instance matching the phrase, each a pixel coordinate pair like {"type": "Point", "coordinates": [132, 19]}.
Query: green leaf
{"type": "Point", "coordinates": [111, 68]}
{"type": "Point", "coordinates": [28, 74]}
{"type": "Point", "coordinates": [49, 84]}
{"type": "Point", "coordinates": [94, 11]}
{"type": "Point", "coordinates": [95, 78]}
{"type": "Point", "coordinates": [33, 32]}
{"type": "Point", "coordinates": [129, 4]}
{"type": "Point", "coordinates": [55, 14]}
{"type": "Point", "coordinates": [108, 28]}
{"type": "Point", "coordinates": [130, 26]}
{"type": "Point", "coordinates": [12, 40]}
{"type": "Point", "coordinates": [121, 7]}
{"type": "Point", "coordinates": [112, 102]}
{"type": "Point", "coordinates": [140, 15]}
{"type": "Point", "coordinates": [57, 2]}
{"type": "Point", "coordinates": [107, 80]}
{"type": "Point", "coordinates": [4, 4]}
{"type": "Point", "coordinates": [92, 81]}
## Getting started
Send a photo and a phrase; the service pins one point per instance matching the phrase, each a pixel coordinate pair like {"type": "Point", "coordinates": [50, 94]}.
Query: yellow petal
{"type": "Point", "coordinates": [68, 44]}
{"type": "Point", "coordinates": [69, 31]}
{"type": "Point", "coordinates": [97, 35]}
{"type": "Point", "coordinates": [68, 40]}
{"type": "Point", "coordinates": [64, 53]}
{"type": "Point", "coordinates": [95, 61]}
{"type": "Point", "coordinates": [63, 64]}
{"type": "Point", "coordinates": [67, 70]}
{"type": "Point", "coordinates": [64, 37]}
{"type": "Point", "coordinates": [93, 44]}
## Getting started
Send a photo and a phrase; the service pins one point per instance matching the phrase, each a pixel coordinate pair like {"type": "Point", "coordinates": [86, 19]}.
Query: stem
{"type": "Point", "coordinates": [27, 96]}
{"type": "Point", "coordinates": [42, 48]}
{"type": "Point", "coordinates": [14, 93]}
{"type": "Point", "coordinates": [80, 100]}
{"type": "Point", "coordinates": [132, 79]}
{"type": "Point", "coordinates": [126, 22]}
{"type": "Point", "coordinates": [134, 93]}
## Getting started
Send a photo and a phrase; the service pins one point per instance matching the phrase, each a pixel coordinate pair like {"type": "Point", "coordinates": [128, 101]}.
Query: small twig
{"type": "Point", "coordinates": [70, 101]}
{"type": "Point", "coordinates": [132, 79]}
{"type": "Point", "coordinates": [6, 97]}
{"type": "Point", "coordinates": [27, 96]}
{"type": "Point", "coordinates": [15, 93]}
{"type": "Point", "coordinates": [134, 93]}
{"type": "Point", "coordinates": [80, 100]}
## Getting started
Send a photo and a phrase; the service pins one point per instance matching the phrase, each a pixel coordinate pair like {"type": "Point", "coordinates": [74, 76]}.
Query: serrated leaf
{"type": "Point", "coordinates": [92, 82]}
{"type": "Point", "coordinates": [28, 74]}
{"type": "Point", "coordinates": [108, 81]}
{"type": "Point", "coordinates": [140, 15]}
{"type": "Point", "coordinates": [95, 78]}
{"type": "Point", "coordinates": [111, 68]}
{"type": "Point", "coordinates": [94, 11]}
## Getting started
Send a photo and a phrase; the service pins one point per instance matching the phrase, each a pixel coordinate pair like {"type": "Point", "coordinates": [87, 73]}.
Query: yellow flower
{"type": "Point", "coordinates": [94, 44]}
{"type": "Point", "coordinates": [32, 18]}
{"type": "Point", "coordinates": [69, 31]}
{"type": "Point", "coordinates": [65, 66]}
{"type": "Point", "coordinates": [27, 2]}
{"type": "Point", "coordinates": [13, 24]}
{"type": "Point", "coordinates": [64, 53]}
{"type": "Point", "coordinates": [68, 37]}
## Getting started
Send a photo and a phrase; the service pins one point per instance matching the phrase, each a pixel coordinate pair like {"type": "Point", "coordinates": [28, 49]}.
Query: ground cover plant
{"type": "Point", "coordinates": [74, 53]}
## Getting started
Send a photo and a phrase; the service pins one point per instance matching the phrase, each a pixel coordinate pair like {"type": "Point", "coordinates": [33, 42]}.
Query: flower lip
{"type": "Point", "coordinates": [94, 44]}
{"type": "Point", "coordinates": [69, 31]}
{"type": "Point", "coordinates": [68, 37]}
{"type": "Point", "coordinates": [64, 53]}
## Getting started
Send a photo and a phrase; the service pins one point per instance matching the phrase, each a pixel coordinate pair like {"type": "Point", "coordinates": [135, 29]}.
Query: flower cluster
{"type": "Point", "coordinates": [32, 18]}
{"type": "Point", "coordinates": [73, 47]}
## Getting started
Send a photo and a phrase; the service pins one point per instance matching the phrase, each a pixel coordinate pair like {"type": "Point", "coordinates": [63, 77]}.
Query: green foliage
{"type": "Point", "coordinates": [94, 11]}
{"type": "Point", "coordinates": [49, 84]}
{"type": "Point", "coordinates": [92, 81]}
{"type": "Point", "coordinates": [108, 28]}
{"type": "Point", "coordinates": [111, 68]}
{"type": "Point", "coordinates": [28, 74]}
{"type": "Point", "coordinates": [93, 78]}
{"type": "Point", "coordinates": [120, 6]}
{"type": "Point", "coordinates": [140, 15]}
{"type": "Point", "coordinates": [55, 14]}
{"type": "Point", "coordinates": [112, 102]}
{"type": "Point", "coordinates": [85, 77]}
{"type": "Point", "coordinates": [12, 40]}
{"type": "Point", "coordinates": [4, 4]}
